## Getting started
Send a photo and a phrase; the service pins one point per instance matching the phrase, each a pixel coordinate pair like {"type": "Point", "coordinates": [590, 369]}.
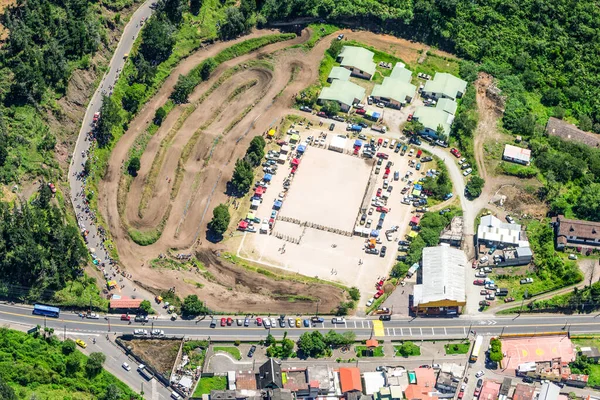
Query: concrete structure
{"type": "Point", "coordinates": [518, 256]}
{"type": "Point", "coordinates": [358, 60]}
{"type": "Point", "coordinates": [549, 391]}
{"type": "Point", "coordinates": [341, 73]}
{"type": "Point", "coordinates": [345, 93]}
{"type": "Point", "coordinates": [566, 131]}
{"type": "Point", "coordinates": [393, 93]}
{"type": "Point", "coordinates": [453, 233]}
{"type": "Point", "coordinates": [523, 392]}
{"type": "Point", "coordinates": [592, 353]}
{"type": "Point", "coordinates": [324, 376]}
{"type": "Point", "coordinates": [444, 85]}
{"type": "Point", "coordinates": [493, 232]}
{"type": "Point", "coordinates": [489, 390]}
{"type": "Point", "coordinates": [554, 370]}
{"type": "Point", "coordinates": [373, 381]}
{"type": "Point", "coordinates": [432, 118]}
{"type": "Point", "coordinates": [516, 154]}
{"type": "Point", "coordinates": [446, 383]}
{"type": "Point", "coordinates": [442, 291]}
{"type": "Point", "coordinates": [576, 233]}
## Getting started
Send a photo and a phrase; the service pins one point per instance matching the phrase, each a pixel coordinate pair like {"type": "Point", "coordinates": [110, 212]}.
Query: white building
{"type": "Point", "coordinates": [493, 232]}
{"type": "Point", "coordinates": [516, 154]}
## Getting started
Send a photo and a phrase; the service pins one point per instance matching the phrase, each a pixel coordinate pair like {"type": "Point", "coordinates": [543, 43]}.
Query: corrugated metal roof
{"type": "Point", "coordinates": [394, 89]}
{"type": "Point", "coordinates": [343, 92]}
{"type": "Point", "coordinates": [339, 73]}
{"type": "Point", "coordinates": [517, 153]}
{"type": "Point", "coordinates": [432, 117]}
{"type": "Point", "coordinates": [350, 379]}
{"type": "Point", "coordinates": [446, 84]}
{"type": "Point", "coordinates": [400, 73]}
{"type": "Point", "coordinates": [125, 303]}
{"type": "Point", "coordinates": [357, 57]}
{"type": "Point", "coordinates": [443, 275]}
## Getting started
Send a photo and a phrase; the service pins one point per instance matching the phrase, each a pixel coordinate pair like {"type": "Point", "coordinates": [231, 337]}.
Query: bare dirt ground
{"type": "Point", "coordinates": [160, 354]}
{"type": "Point", "coordinates": [209, 167]}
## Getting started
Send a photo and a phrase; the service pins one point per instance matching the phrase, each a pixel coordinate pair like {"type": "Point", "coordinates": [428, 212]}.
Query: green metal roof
{"type": "Point", "coordinates": [357, 57]}
{"type": "Point", "coordinates": [432, 117]}
{"type": "Point", "coordinates": [401, 73]}
{"type": "Point", "coordinates": [343, 92]}
{"type": "Point", "coordinates": [340, 73]}
{"type": "Point", "coordinates": [446, 84]}
{"type": "Point", "coordinates": [394, 89]}
{"type": "Point", "coordinates": [447, 105]}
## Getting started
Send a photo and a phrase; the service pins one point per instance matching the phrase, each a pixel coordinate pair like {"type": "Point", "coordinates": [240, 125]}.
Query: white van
{"type": "Point", "coordinates": [175, 395]}
{"type": "Point", "coordinates": [393, 143]}
{"type": "Point", "coordinates": [386, 142]}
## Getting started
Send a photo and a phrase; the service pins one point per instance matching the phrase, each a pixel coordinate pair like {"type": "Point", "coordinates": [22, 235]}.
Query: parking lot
{"type": "Point", "coordinates": [327, 190]}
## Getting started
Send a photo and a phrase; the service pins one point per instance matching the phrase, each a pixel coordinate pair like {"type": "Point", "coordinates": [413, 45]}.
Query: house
{"type": "Point", "coordinates": [324, 377]}
{"type": "Point", "coordinates": [269, 375]}
{"type": "Point", "coordinates": [523, 392]}
{"type": "Point", "coordinates": [278, 394]}
{"type": "Point", "coordinates": [592, 353]}
{"type": "Point", "coordinates": [505, 387]}
{"type": "Point", "coordinates": [575, 232]}
{"type": "Point", "coordinates": [393, 93]}
{"type": "Point", "coordinates": [373, 382]}
{"type": "Point", "coordinates": [516, 154]}
{"type": "Point", "coordinates": [549, 391]}
{"type": "Point", "coordinates": [358, 60]}
{"type": "Point", "coordinates": [566, 131]}
{"type": "Point", "coordinates": [401, 73]}
{"type": "Point", "coordinates": [554, 370]}
{"type": "Point", "coordinates": [345, 93]}
{"type": "Point", "coordinates": [125, 304]}
{"type": "Point", "coordinates": [426, 377]}
{"type": "Point", "coordinates": [442, 291]}
{"type": "Point", "coordinates": [447, 105]}
{"type": "Point", "coordinates": [297, 381]}
{"type": "Point", "coordinates": [341, 73]}
{"type": "Point", "coordinates": [518, 256]}
{"type": "Point", "coordinates": [493, 232]}
{"type": "Point", "coordinates": [446, 383]}
{"type": "Point", "coordinates": [453, 233]}
{"type": "Point", "coordinates": [432, 119]}
{"type": "Point", "coordinates": [418, 392]}
{"type": "Point", "coordinates": [350, 379]}
{"type": "Point", "coordinates": [489, 390]}
{"type": "Point", "coordinates": [444, 85]}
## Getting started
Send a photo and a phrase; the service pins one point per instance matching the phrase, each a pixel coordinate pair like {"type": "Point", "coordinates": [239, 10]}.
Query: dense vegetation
{"type": "Point", "coordinates": [314, 344]}
{"type": "Point", "coordinates": [243, 174]}
{"type": "Point", "coordinates": [582, 300]}
{"type": "Point", "coordinates": [40, 366]}
{"type": "Point", "coordinates": [40, 251]}
{"type": "Point", "coordinates": [220, 220]}
{"type": "Point", "coordinates": [496, 350]}
{"type": "Point", "coordinates": [283, 348]}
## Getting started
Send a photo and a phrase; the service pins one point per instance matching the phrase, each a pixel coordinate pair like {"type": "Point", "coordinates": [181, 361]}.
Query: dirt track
{"type": "Point", "coordinates": [209, 167]}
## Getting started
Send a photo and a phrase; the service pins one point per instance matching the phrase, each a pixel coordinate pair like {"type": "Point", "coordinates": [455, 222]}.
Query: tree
{"type": "Point", "coordinates": [134, 166]}
{"type": "Point", "coordinates": [414, 127]}
{"type": "Point", "coordinates": [256, 150]}
{"type": "Point", "coordinates": [173, 9]}
{"type": "Point", "coordinates": [243, 176]}
{"type": "Point", "coordinates": [68, 347]}
{"type": "Point", "coordinates": [409, 349]}
{"type": "Point", "coordinates": [248, 7]}
{"type": "Point", "coordinates": [220, 220]}
{"type": "Point", "coordinates": [109, 119]}
{"type": "Point", "coordinates": [334, 339]}
{"type": "Point", "coordinates": [335, 48]}
{"type": "Point", "coordinates": [73, 365]}
{"type": "Point", "coordinates": [270, 340]}
{"type": "Point", "coordinates": [439, 131]}
{"type": "Point", "coordinates": [184, 86]}
{"type": "Point", "coordinates": [6, 392]}
{"type": "Point", "coordinates": [195, 6]}
{"type": "Point", "coordinates": [354, 293]}
{"type": "Point", "coordinates": [475, 186]}
{"type": "Point", "coordinates": [312, 344]}
{"type": "Point", "coordinates": [159, 116]}
{"type": "Point", "coordinates": [133, 97]}
{"type": "Point", "coordinates": [331, 107]}
{"type": "Point", "coordinates": [157, 40]}
{"type": "Point", "coordinates": [588, 205]}
{"type": "Point", "coordinates": [468, 71]}
{"type": "Point", "coordinates": [112, 393]}
{"type": "Point", "coordinates": [94, 364]}
{"type": "Point", "coordinates": [192, 306]}
{"type": "Point", "coordinates": [496, 350]}
{"type": "Point", "coordinates": [585, 123]}
{"type": "Point", "coordinates": [208, 67]}
{"type": "Point", "coordinates": [146, 307]}
{"type": "Point", "coordinates": [234, 24]}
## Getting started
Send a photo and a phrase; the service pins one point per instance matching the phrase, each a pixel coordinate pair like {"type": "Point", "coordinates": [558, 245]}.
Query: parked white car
{"type": "Point", "coordinates": [468, 171]}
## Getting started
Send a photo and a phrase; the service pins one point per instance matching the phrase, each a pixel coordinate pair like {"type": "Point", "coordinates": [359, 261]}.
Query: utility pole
{"type": "Point", "coordinates": [65, 332]}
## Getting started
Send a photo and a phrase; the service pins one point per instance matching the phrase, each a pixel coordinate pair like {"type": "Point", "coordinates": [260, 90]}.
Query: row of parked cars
{"type": "Point", "coordinates": [269, 322]}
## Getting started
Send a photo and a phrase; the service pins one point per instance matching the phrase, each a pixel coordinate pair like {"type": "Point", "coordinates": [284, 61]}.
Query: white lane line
{"type": "Point", "coordinates": [394, 329]}
{"type": "Point", "coordinates": [355, 324]}
{"type": "Point", "coordinates": [464, 330]}
{"type": "Point", "coordinates": [362, 323]}
{"type": "Point", "coordinates": [432, 332]}
{"type": "Point", "coordinates": [369, 324]}
{"type": "Point", "coordinates": [401, 332]}
{"type": "Point", "coordinates": [345, 324]}
{"type": "Point", "coordinates": [388, 331]}
{"type": "Point", "coordinates": [421, 329]}
{"type": "Point", "coordinates": [410, 329]}
{"type": "Point", "coordinates": [445, 333]}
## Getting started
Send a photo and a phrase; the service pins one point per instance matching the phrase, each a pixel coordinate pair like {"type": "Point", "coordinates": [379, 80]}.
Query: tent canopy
{"type": "Point", "coordinates": [271, 132]}
{"type": "Point", "coordinates": [416, 192]}
{"type": "Point", "coordinates": [412, 234]}
{"type": "Point", "coordinates": [415, 220]}
{"type": "Point", "coordinates": [418, 187]}
{"type": "Point", "coordinates": [295, 137]}
{"type": "Point", "coordinates": [357, 143]}
{"type": "Point", "coordinates": [372, 343]}
{"type": "Point", "coordinates": [374, 233]}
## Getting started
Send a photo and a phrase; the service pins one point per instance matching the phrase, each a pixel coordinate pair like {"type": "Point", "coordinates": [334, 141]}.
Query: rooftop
{"type": "Point", "coordinates": [454, 231]}
{"type": "Point", "coordinates": [517, 153]}
{"type": "Point", "coordinates": [432, 117]}
{"type": "Point", "coordinates": [245, 380]}
{"type": "Point", "coordinates": [125, 303]}
{"type": "Point", "coordinates": [566, 131]}
{"type": "Point", "coordinates": [492, 229]}
{"type": "Point", "coordinates": [489, 390]}
{"type": "Point", "coordinates": [295, 380]}
{"type": "Point", "coordinates": [401, 73]}
{"type": "Point", "coordinates": [373, 381]}
{"type": "Point", "coordinates": [394, 89]}
{"type": "Point", "coordinates": [350, 379]}
{"type": "Point", "coordinates": [418, 392]}
{"type": "Point", "coordinates": [339, 73]}
{"type": "Point", "coordinates": [426, 376]}
{"type": "Point", "coordinates": [343, 92]}
{"type": "Point", "coordinates": [523, 392]}
{"type": "Point", "coordinates": [549, 391]}
{"type": "Point", "coordinates": [446, 84]}
{"type": "Point", "coordinates": [357, 57]}
{"type": "Point", "coordinates": [447, 105]}
{"type": "Point", "coordinates": [578, 228]}
{"type": "Point", "coordinates": [443, 277]}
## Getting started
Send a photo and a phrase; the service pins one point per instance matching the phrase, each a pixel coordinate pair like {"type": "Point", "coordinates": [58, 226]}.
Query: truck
{"type": "Point", "coordinates": [379, 128]}
{"type": "Point", "coordinates": [355, 128]}
{"type": "Point", "coordinates": [144, 372]}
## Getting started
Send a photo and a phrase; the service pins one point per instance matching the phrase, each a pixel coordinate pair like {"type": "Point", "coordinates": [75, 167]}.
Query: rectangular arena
{"type": "Point", "coordinates": [538, 348]}
{"type": "Point", "coordinates": [328, 189]}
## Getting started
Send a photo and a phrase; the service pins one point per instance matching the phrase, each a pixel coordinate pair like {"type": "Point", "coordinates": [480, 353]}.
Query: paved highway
{"type": "Point", "coordinates": [85, 216]}
{"type": "Point", "coordinates": [364, 328]}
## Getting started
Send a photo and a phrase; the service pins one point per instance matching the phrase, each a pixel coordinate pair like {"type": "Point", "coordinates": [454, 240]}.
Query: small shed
{"type": "Point", "coordinates": [372, 343]}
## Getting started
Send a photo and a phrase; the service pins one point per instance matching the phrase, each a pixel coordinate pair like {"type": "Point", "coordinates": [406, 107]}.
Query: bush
{"type": "Point", "coordinates": [408, 349]}
{"type": "Point", "coordinates": [475, 186]}
{"type": "Point", "coordinates": [354, 293]}
{"type": "Point", "coordinates": [220, 220]}
{"type": "Point", "coordinates": [496, 350]}
{"type": "Point", "coordinates": [134, 166]}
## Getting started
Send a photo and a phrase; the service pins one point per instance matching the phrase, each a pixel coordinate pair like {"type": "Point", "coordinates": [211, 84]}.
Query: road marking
{"type": "Point", "coordinates": [369, 324]}
{"type": "Point", "coordinates": [410, 329]}
{"type": "Point", "coordinates": [421, 329]}
{"type": "Point", "coordinates": [464, 330]}
{"type": "Point", "coordinates": [378, 328]}
{"type": "Point", "coordinates": [394, 329]}
{"type": "Point", "coordinates": [445, 332]}
{"type": "Point", "coordinates": [354, 324]}
{"type": "Point", "coordinates": [432, 332]}
{"type": "Point", "coordinates": [362, 324]}
{"type": "Point", "coordinates": [388, 331]}
{"type": "Point", "coordinates": [401, 332]}
{"type": "Point", "coordinates": [345, 324]}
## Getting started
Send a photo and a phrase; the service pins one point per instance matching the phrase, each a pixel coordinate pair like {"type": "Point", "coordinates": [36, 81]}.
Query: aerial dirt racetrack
{"type": "Point", "coordinates": [208, 169]}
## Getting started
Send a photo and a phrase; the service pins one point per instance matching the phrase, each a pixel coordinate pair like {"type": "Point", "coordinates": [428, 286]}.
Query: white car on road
{"type": "Point", "coordinates": [479, 374]}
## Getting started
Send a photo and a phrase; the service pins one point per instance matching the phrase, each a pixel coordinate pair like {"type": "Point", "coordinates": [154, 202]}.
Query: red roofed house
{"type": "Point", "coordinates": [418, 392]}
{"type": "Point", "coordinates": [125, 303]}
{"type": "Point", "coordinates": [426, 377]}
{"type": "Point", "coordinates": [350, 379]}
{"type": "Point", "coordinates": [489, 390]}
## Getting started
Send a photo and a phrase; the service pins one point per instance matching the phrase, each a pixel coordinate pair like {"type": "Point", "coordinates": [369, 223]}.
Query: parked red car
{"type": "Point", "coordinates": [474, 264]}
{"type": "Point", "coordinates": [223, 322]}
{"type": "Point", "coordinates": [479, 282]}
{"type": "Point", "coordinates": [455, 153]}
{"type": "Point", "coordinates": [125, 317]}
{"type": "Point", "coordinates": [379, 192]}
{"type": "Point", "coordinates": [378, 294]}
{"type": "Point", "coordinates": [419, 153]}
{"type": "Point", "coordinates": [382, 155]}
{"type": "Point", "coordinates": [383, 210]}
{"type": "Point", "coordinates": [259, 321]}
{"type": "Point", "coordinates": [322, 114]}
{"type": "Point", "coordinates": [409, 117]}
{"type": "Point", "coordinates": [361, 111]}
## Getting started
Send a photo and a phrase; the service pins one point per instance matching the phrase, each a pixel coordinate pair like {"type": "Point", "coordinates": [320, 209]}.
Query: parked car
{"type": "Point", "coordinates": [461, 161]}
{"type": "Point", "coordinates": [572, 256]}
{"type": "Point", "coordinates": [467, 171]}
{"type": "Point", "coordinates": [340, 36]}
{"type": "Point", "coordinates": [317, 319]}
{"type": "Point", "coordinates": [509, 299]}
{"type": "Point", "coordinates": [455, 153]}
{"type": "Point", "coordinates": [251, 351]}
{"type": "Point", "coordinates": [526, 281]}
{"type": "Point", "coordinates": [338, 320]}
{"type": "Point", "coordinates": [479, 383]}
{"type": "Point", "coordinates": [484, 259]}
{"type": "Point", "coordinates": [483, 292]}
{"type": "Point", "coordinates": [479, 374]}
{"type": "Point", "coordinates": [81, 343]}
{"type": "Point", "coordinates": [510, 219]}
{"type": "Point", "coordinates": [383, 251]}
{"type": "Point", "coordinates": [478, 282]}
{"type": "Point", "coordinates": [126, 366]}
{"type": "Point", "coordinates": [332, 126]}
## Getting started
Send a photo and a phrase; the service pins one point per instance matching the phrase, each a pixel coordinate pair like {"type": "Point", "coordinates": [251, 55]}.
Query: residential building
{"type": "Point", "coordinates": [444, 85]}
{"type": "Point", "coordinates": [358, 60]}
{"type": "Point", "coordinates": [341, 73]}
{"type": "Point", "coordinates": [523, 392]}
{"type": "Point", "coordinates": [505, 388]}
{"type": "Point", "coordinates": [493, 232]}
{"type": "Point", "coordinates": [373, 382]}
{"type": "Point", "coordinates": [393, 93]}
{"type": "Point", "coordinates": [433, 119]}
{"type": "Point", "coordinates": [566, 131]}
{"type": "Point", "coordinates": [554, 370]}
{"type": "Point", "coordinates": [549, 391]}
{"type": "Point", "coordinates": [350, 379]}
{"type": "Point", "coordinates": [401, 73]}
{"type": "Point", "coordinates": [269, 375]}
{"type": "Point", "coordinates": [426, 377]}
{"type": "Point", "coordinates": [453, 233]}
{"type": "Point", "coordinates": [592, 353]}
{"type": "Point", "coordinates": [418, 392]}
{"type": "Point", "coordinates": [345, 93]}
{"type": "Point", "coordinates": [297, 381]}
{"type": "Point", "coordinates": [446, 383]}
{"type": "Point", "coordinates": [442, 291]}
{"type": "Point", "coordinates": [575, 232]}
{"type": "Point", "coordinates": [447, 105]}
{"type": "Point", "coordinates": [278, 394]}
{"type": "Point", "coordinates": [489, 390]}
{"type": "Point", "coordinates": [518, 256]}
{"type": "Point", "coordinates": [516, 154]}
{"type": "Point", "coordinates": [324, 376]}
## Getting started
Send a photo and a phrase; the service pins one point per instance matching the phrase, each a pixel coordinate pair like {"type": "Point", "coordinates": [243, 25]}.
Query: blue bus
{"type": "Point", "coordinates": [48, 311]}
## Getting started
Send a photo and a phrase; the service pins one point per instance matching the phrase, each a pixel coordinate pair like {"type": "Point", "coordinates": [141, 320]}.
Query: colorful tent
{"type": "Point", "coordinates": [412, 234]}
{"type": "Point", "coordinates": [271, 132]}
{"type": "Point", "coordinates": [416, 192]}
{"type": "Point", "coordinates": [259, 191]}
{"type": "Point", "coordinates": [418, 187]}
{"type": "Point", "coordinates": [111, 284]}
{"type": "Point", "coordinates": [357, 143]}
{"type": "Point", "coordinates": [372, 343]}
{"type": "Point", "coordinates": [294, 138]}
{"type": "Point", "coordinates": [243, 225]}
{"type": "Point", "coordinates": [250, 216]}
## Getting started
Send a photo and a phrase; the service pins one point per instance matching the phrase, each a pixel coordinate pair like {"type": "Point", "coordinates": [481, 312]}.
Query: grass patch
{"type": "Point", "coordinates": [457, 348]}
{"type": "Point", "coordinates": [146, 238]}
{"type": "Point", "coordinates": [233, 351]}
{"type": "Point", "coordinates": [327, 63]}
{"type": "Point", "coordinates": [434, 63]}
{"type": "Point", "coordinates": [361, 351]}
{"type": "Point", "coordinates": [407, 349]}
{"type": "Point", "coordinates": [81, 293]}
{"type": "Point", "coordinates": [318, 31]}
{"type": "Point", "coordinates": [206, 385]}
{"type": "Point", "coordinates": [194, 283]}
{"type": "Point", "coordinates": [520, 171]}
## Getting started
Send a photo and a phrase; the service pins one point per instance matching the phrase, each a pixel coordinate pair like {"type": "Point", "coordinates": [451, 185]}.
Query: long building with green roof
{"type": "Point", "coordinates": [345, 93]}
{"type": "Point", "coordinates": [358, 60]}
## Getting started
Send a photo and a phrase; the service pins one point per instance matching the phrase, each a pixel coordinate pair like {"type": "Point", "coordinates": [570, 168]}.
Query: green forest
{"type": "Point", "coordinates": [42, 367]}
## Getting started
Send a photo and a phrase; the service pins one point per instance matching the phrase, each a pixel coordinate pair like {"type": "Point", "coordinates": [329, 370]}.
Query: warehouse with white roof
{"type": "Point", "coordinates": [493, 232]}
{"type": "Point", "coordinates": [442, 291]}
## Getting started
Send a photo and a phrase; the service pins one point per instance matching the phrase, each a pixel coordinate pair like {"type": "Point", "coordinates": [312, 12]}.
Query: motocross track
{"type": "Point", "coordinates": [251, 97]}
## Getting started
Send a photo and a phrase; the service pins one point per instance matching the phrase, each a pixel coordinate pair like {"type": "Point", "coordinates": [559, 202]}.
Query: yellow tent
{"type": "Point", "coordinates": [271, 132]}
{"type": "Point", "coordinates": [412, 234]}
